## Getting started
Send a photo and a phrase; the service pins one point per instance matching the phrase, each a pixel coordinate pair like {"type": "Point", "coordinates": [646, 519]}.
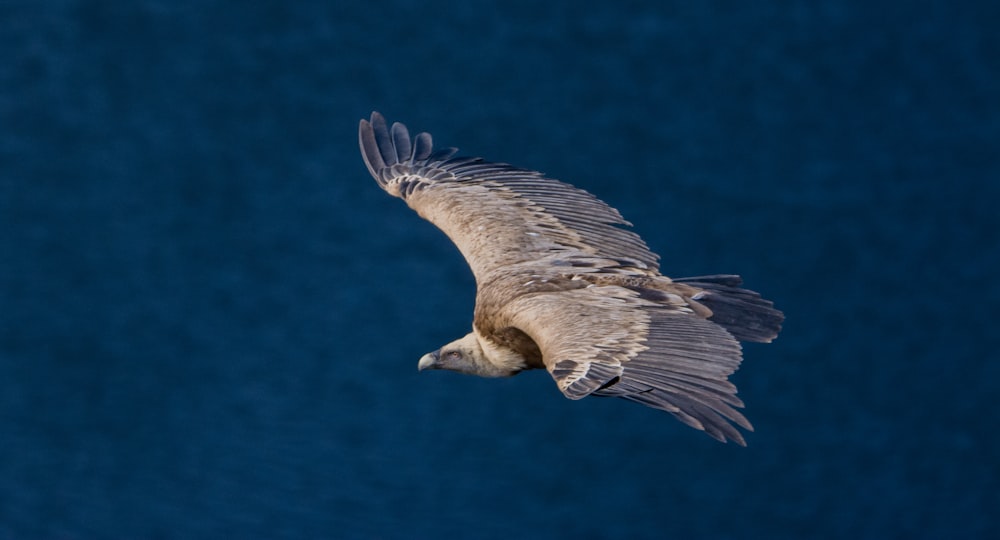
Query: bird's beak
{"type": "Point", "coordinates": [429, 361]}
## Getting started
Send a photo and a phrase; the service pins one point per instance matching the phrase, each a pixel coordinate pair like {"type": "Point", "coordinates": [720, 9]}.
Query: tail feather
{"type": "Point", "coordinates": [742, 312]}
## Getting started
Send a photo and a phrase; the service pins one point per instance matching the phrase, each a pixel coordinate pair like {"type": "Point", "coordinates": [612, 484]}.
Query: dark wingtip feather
{"type": "Point", "coordinates": [443, 154]}
{"type": "Point", "coordinates": [383, 146]}
{"type": "Point", "coordinates": [369, 147]}
{"type": "Point", "coordinates": [422, 146]}
{"type": "Point", "coordinates": [401, 143]}
{"type": "Point", "coordinates": [383, 140]}
{"type": "Point", "coordinates": [693, 414]}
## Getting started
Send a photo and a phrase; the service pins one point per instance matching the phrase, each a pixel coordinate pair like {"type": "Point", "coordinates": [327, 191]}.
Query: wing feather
{"type": "Point", "coordinates": [401, 143]}
{"type": "Point", "coordinates": [422, 147]}
{"type": "Point", "coordinates": [607, 341]}
{"type": "Point", "coordinates": [383, 140]}
{"type": "Point", "coordinates": [495, 213]}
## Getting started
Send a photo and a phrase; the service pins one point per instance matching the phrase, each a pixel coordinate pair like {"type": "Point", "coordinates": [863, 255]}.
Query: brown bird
{"type": "Point", "coordinates": [563, 284]}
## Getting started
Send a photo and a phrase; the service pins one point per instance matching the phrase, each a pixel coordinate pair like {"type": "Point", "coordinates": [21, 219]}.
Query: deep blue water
{"type": "Point", "coordinates": [210, 315]}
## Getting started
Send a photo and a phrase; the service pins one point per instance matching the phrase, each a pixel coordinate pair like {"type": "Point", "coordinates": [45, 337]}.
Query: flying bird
{"type": "Point", "coordinates": [563, 284]}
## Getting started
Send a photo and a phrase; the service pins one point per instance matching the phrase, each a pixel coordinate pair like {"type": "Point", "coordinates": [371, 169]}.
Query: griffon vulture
{"type": "Point", "coordinates": [563, 284]}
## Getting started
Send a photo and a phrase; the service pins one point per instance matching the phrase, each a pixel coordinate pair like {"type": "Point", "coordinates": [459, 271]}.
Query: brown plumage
{"type": "Point", "coordinates": [562, 284]}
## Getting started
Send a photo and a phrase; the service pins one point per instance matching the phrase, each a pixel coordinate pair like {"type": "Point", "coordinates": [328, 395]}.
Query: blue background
{"type": "Point", "coordinates": [210, 315]}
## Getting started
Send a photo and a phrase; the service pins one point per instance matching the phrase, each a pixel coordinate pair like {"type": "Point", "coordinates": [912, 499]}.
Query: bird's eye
{"type": "Point", "coordinates": [453, 355]}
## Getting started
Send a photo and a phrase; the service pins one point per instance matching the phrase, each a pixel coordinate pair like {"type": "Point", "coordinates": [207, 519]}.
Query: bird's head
{"type": "Point", "coordinates": [463, 355]}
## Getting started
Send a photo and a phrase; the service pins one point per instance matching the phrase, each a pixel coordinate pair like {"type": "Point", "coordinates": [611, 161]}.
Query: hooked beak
{"type": "Point", "coordinates": [429, 361]}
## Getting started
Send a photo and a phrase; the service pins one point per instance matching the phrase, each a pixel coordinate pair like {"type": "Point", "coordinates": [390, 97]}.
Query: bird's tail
{"type": "Point", "coordinates": [742, 312]}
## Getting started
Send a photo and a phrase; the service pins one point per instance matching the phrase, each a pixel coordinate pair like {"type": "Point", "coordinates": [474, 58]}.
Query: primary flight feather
{"type": "Point", "coordinates": [563, 284]}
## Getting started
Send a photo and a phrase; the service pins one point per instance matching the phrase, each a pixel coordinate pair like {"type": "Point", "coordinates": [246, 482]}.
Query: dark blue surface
{"type": "Point", "coordinates": [210, 315]}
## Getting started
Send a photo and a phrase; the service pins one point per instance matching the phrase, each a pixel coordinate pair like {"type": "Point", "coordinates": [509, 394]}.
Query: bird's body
{"type": "Point", "coordinates": [562, 284]}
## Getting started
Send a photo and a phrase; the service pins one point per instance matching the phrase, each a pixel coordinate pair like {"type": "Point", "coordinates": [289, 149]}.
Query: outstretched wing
{"type": "Point", "coordinates": [607, 341]}
{"type": "Point", "coordinates": [497, 214]}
